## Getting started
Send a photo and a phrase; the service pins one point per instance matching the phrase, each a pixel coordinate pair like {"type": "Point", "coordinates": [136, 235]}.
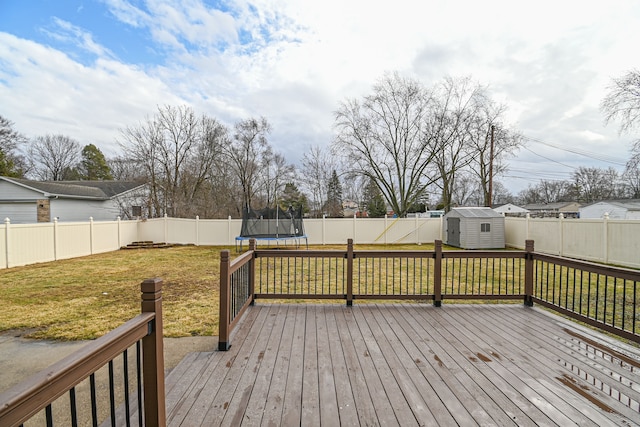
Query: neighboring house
{"type": "Point", "coordinates": [511, 210]}
{"type": "Point", "coordinates": [26, 201]}
{"type": "Point", "coordinates": [552, 210]}
{"type": "Point", "coordinates": [617, 209]}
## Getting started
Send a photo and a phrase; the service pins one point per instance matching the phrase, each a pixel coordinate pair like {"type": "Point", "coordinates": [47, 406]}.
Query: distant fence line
{"type": "Point", "coordinates": [600, 240]}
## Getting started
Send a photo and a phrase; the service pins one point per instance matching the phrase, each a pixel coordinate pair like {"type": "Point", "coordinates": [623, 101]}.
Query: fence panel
{"type": "Point", "coordinates": [73, 239]}
{"type": "Point", "coordinates": [515, 232]}
{"type": "Point", "coordinates": [546, 233]}
{"type": "Point", "coordinates": [181, 231]}
{"type": "Point", "coordinates": [218, 232]}
{"type": "Point", "coordinates": [31, 243]}
{"type": "Point", "coordinates": [128, 232]}
{"type": "Point", "coordinates": [582, 238]}
{"type": "Point", "coordinates": [152, 230]}
{"type": "Point", "coordinates": [105, 237]}
{"type": "Point", "coordinates": [623, 242]}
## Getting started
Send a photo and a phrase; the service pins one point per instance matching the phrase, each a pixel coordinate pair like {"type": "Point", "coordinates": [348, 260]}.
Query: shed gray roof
{"type": "Point", "coordinates": [99, 190]}
{"type": "Point", "coordinates": [474, 212]}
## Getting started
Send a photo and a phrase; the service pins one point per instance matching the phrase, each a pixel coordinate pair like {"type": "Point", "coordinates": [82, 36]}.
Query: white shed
{"type": "Point", "coordinates": [475, 228]}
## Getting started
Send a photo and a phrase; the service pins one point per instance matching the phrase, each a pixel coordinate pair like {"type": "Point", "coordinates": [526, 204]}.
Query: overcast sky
{"type": "Point", "coordinates": [88, 69]}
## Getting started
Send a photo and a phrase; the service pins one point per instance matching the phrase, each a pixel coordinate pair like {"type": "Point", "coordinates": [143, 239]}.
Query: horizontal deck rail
{"type": "Point", "coordinates": [603, 296]}
{"type": "Point", "coordinates": [21, 402]}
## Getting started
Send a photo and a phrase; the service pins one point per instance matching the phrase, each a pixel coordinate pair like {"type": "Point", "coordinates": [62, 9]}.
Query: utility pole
{"type": "Point", "coordinates": [490, 199]}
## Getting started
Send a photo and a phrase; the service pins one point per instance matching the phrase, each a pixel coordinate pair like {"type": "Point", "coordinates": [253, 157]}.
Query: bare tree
{"type": "Point", "coordinates": [453, 114]}
{"type": "Point", "coordinates": [593, 184]}
{"type": "Point", "coordinates": [12, 162]}
{"type": "Point", "coordinates": [623, 101]}
{"type": "Point", "coordinates": [383, 138]}
{"type": "Point", "coordinates": [276, 174]}
{"type": "Point", "coordinates": [631, 180]}
{"type": "Point", "coordinates": [505, 142]}
{"type": "Point", "coordinates": [245, 152]}
{"type": "Point", "coordinates": [54, 156]}
{"type": "Point", "coordinates": [177, 151]}
{"type": "Point", "coordinates": [317, 165]}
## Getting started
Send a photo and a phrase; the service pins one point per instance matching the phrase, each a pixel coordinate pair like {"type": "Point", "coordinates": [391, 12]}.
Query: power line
{"type": "Point", "coordinates": [595, 156]}
{"type": "Point", "coordinates": [549, 159]}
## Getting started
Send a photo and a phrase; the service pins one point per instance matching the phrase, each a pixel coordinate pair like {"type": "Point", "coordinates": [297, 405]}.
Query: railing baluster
{"type": "Point", "coordinates": [49, 416]}
{"type": "Point", "coordinates": [139, 382]}
{"type": "Point", "coordinates": [94, 402]}
{"type": "Point", "coordinates": [112, 395]}
{"type": "Point", "coordinates": [73, 408]}
{"type": "Point", "coordinates": [125, 370]}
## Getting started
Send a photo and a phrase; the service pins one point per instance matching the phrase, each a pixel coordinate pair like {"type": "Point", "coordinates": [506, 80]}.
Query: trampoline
{"type": "Point", "coordinates": [272, 225]}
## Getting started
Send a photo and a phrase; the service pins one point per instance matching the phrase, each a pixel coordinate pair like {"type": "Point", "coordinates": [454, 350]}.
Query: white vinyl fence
{"type": "Point", "coordinates": [600, 240]}
{"type": "Point", "coordinates": [610, 241]}
{"type": "Point", "coordinates": [22, 244]}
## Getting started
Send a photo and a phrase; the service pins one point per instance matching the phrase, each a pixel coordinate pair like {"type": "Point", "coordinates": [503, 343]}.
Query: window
{"type": "Point", "coordinates": [136, 210]}
{"type": "Point", "coordinates": [485, 227]}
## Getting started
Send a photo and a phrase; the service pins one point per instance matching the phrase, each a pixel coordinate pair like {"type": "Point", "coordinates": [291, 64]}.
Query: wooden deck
{"type": "Point", "coordinates": [407, 364]}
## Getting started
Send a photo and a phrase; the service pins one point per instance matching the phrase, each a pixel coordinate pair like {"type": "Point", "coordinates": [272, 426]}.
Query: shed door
{"type": "Point", "coordinates": [453, 231]}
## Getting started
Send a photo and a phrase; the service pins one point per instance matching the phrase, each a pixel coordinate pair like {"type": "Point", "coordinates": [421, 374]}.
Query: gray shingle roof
{"type": "Point", "coordinates": [100, 190]}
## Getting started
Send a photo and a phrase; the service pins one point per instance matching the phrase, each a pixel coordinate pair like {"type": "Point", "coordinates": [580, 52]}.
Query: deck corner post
{"type": "Point", "coordinates": [437, 273]}
{"type": "Point", "coordinates": [528, 273]}
{"type": "Point", "coordinates": [349, 272]}
{"type": "Point", "coordinates": [153, 355]}
{"type": "Point", "coordinates": [223, 322]}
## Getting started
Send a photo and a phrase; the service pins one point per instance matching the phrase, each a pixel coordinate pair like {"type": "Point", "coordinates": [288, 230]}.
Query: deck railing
{"type": "Point", "coordinates": [44, 391]}
{"type": "Point", "coordinates": [602, 296]}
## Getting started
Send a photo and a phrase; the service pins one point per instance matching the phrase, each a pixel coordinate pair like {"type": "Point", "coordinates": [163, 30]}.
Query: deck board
{"type": "Point", "coordinates": [407, 364]}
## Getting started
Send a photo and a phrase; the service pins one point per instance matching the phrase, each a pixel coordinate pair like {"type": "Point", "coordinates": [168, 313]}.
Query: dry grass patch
{"type": "Point", "coordinates": [83, 298]}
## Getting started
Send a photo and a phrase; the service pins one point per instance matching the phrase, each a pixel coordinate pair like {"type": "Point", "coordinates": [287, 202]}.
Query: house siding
{"type": "Point", "coordinates": [82, 210]}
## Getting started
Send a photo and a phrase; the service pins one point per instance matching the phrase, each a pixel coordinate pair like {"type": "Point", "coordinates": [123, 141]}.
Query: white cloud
{"type": "Point", "coordinates": [295, 61]}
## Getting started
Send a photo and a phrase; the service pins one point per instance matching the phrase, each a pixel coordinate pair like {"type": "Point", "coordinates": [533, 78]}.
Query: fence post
{"type": "Point", "coordinates": [91, 235]}
{"type": "Point", "coordinates": [528, 273]}
{"type": "Point", "coordinates": [223, 322]}
{"type": "Point", "coordinates": [561, 225]}
{"type": "Point", "coordinates": [119, 237]}
{"type": "Point", "coordinates": [437, 273]}
{"type": "Point", "coordinates": [324, 228]}
{"type": "Point", "coordinates": [605, 237]}
{"type": "Point", "coordinates": [166, 228]}
{"type": "Point", "coordinates": [153, 356]}
{"type": "Point", "coordinates": [55, 239]}
{"type": "Point", "coordinates": [252, 271]}
{"type": "Point", "coordinates": [7, 223]}
{"type": "Point", "coordinates": [349, 272]}
{"type": "Point", "coordinates": [197, 230]}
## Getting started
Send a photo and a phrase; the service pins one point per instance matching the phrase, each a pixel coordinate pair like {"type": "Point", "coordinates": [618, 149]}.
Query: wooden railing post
{"type": "Point", "coordinates": [528, 273]}
{"type": "Point", "coordinates": [437, 274]}
{"type": "Point", "coordinates": [153, 356]}
{"type": "Point", "coordinates": [349, 272]}
{"type": "Point", "coordinates": [252, 272]}
{"type": "Point", "coordinates": [225, 294]}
